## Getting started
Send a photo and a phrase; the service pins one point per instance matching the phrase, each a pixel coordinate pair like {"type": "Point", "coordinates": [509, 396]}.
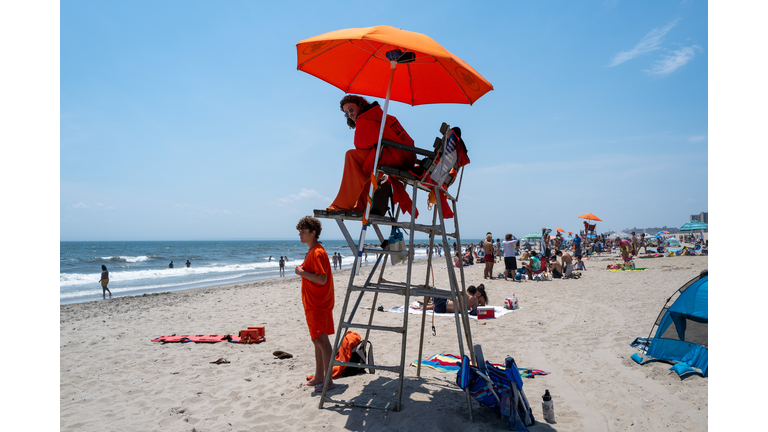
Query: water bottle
{"type": "Point", "coordinates": [548, 407]}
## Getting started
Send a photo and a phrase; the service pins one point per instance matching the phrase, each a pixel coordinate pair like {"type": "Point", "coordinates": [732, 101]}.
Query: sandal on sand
{"type": "Point", "coordinates": [282, 355]}
{"type": "Point", "coordinates": [220, 361]}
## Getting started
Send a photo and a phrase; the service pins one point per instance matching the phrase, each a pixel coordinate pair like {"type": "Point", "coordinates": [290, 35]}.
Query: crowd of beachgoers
{"type": "Point", "coordinates": [573, 250]}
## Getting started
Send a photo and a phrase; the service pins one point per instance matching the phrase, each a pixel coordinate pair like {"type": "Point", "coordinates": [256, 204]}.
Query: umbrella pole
{"type": "Point", "coordinates": [368, 205]}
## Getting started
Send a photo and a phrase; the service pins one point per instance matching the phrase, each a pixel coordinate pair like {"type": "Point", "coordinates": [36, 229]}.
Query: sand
{"type": "Point", "coordinates": [113, 378]}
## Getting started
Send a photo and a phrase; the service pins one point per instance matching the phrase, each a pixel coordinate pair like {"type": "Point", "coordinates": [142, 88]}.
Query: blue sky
{"type": "Point", "coordinates": [189, 120]}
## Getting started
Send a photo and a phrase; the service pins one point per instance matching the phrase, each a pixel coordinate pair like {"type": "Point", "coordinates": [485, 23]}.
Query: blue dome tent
{"type": "Point", "coordinates": [679, 335]}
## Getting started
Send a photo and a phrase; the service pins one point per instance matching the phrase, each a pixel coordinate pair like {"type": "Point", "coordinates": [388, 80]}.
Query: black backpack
{"type": "Point", "coordinates": [362, 356]}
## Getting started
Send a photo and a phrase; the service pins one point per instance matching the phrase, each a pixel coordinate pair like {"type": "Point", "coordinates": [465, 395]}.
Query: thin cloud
{"type": "Point", "coordinates": [304, 194]}
{"type": "Point", "coordinates": [697, 138]}
{"type": "Point", "coordinates": [671, 63]}
{"type": "Point", "coordinates": [98, 206]}
{"type": "Point", "coordinates": [649, 43]}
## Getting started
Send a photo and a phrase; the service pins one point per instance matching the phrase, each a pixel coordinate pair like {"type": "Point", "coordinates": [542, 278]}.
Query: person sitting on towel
{"type": "Point", "coordinates": [441, 305]}
{"type": "Point", "coordinates": [555, 267]}
{"type": "Point", "coordinates": [365, 118]}
{"type": "Point", "coordinates": [579, 263]}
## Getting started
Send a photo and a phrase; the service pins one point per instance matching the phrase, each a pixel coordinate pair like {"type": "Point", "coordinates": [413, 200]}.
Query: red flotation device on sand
{"type": "Point", "coordinates": [249, 335]}
{"type": "Point", "coordinates": [197, 338]}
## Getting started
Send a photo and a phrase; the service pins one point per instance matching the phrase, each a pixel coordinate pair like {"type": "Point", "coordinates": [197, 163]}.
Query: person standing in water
{"type": "Point", "coordinates": [104, 282]}
{"type": "Point", "coordinates": [188, 264]}
{"type": "Point", "coordinates": [170, 265]}
{"type": "Point", "coordinates": [282, 266]}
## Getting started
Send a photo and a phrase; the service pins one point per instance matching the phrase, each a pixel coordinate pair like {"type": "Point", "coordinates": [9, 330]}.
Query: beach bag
{"type": "Point", "coordinates": [360, 355]}
{"type": "Point", "coordinates": [381, 198]}
{"type": "Point", "coordinates": [396, 243]}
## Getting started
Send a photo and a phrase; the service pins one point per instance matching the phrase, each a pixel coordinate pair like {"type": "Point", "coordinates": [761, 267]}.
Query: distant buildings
{"type": "Point", "coordinates": [701, 217]}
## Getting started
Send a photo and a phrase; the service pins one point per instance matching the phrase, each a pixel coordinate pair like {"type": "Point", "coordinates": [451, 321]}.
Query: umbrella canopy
{"type": "Point", "coordinates": [663, 232]}
{"type": "Point", "coordinates": [533, 235]}
{"type": "Point", "coordinates": [560, 229]}
{"type": "Point", "coordinates": [694, 225]}
{"type": "Point", "coordinates": [590, 216]}
{"type": "Point", "coordinates": [358, 60]}
{"type": "Point", "coordinates": [658, 236]}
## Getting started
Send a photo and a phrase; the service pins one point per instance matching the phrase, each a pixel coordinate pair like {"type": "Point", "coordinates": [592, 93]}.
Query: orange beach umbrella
{"type": "Point", "coordinates": [395, 64]}
{"type": "Point", "coordinates": [590, 216]}
{"type": "Point", "coordinates": [559, 229]}
{"type": "Point", "coordinates": [366, 60]}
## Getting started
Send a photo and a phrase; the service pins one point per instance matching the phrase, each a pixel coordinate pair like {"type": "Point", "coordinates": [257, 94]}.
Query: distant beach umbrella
{"type": "Point", "coordinates": [694, 225]}
{"type": "Point", "coordinates": [533, 235]}
{"type": "Point", "coordinates": [590, 216]}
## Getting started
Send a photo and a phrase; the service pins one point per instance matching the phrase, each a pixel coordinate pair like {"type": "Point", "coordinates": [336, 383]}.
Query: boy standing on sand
{"type": "Point", "coordinates": [317, 298]}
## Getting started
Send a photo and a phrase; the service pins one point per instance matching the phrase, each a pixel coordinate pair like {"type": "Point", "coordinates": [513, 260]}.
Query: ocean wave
{"type": "Point", "coordinates": [70, 279]}
{"type": "Point", "coordinates": [195, 272]}
{"type": "Point", "coordinates": [130, 259]}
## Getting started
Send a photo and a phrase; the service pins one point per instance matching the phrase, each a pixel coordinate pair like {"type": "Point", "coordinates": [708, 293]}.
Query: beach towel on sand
{"type": "Point", "coordinates": [449, 363]}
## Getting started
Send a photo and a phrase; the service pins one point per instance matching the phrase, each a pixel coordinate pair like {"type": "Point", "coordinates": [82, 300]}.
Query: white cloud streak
{"type": "Point", "coordinates": [697, 138]}
{"type": "Point", "coordinates": [649, 43]}
{"type": "Point", "coordinates": [670, 63]}
{"type": "Point", "coordinates": [304, 194]}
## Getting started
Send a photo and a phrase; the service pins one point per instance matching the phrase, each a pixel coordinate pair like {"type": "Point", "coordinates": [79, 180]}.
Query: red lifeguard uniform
{"type": "Point", "coordinates": [358, 163]}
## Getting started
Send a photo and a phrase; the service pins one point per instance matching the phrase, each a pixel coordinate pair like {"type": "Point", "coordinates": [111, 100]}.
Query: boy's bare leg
{"type": "Point", "coordinates": [324, 345]}
{"type": "Point", "coordinates": [319, 377]}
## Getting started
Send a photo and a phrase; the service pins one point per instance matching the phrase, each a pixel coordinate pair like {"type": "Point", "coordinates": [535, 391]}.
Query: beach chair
{"type": "Point", "coordinates": [500, 390]}
{"type": "Point", "coordinates": [540, 272]}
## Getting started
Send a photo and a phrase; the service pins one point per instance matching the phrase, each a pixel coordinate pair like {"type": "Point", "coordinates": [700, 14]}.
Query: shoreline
{"type": "Point", "coordinates": [192, 286]}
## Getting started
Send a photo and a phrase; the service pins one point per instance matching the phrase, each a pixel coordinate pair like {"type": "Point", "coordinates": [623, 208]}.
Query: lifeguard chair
{"type": "Point", "coordinates": [589, 228]}
{"type": "Point", "coordinates": [434, 173]}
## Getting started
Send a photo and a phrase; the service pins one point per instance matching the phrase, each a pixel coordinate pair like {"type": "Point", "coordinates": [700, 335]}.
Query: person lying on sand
{"type": "Point", "coordinates": [440, 305]}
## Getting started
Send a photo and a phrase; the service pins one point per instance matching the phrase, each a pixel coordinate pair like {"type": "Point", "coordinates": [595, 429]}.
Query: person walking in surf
{"type": "Point", "coordinates": [104, 282]}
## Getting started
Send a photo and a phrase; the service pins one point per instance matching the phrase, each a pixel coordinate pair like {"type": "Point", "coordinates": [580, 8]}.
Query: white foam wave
{"type": "Point", "coordinates": [129, 259]}
{"type": "Point", "coordinates": [70, 279]}
{"type": "Point", "coordinates": [215, 272]}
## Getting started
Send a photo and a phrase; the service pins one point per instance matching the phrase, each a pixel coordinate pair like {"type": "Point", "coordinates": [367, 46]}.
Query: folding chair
{"type": "Point", "coordinates": [500, 390]}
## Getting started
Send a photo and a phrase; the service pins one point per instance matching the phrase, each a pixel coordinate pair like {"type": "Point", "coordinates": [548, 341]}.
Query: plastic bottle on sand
{"type": "Point", "coordinates": [548, 407]}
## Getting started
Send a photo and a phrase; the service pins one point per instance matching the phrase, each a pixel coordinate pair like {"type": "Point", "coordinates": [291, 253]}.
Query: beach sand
{"type": "Point", "coordinates": [113, 378]}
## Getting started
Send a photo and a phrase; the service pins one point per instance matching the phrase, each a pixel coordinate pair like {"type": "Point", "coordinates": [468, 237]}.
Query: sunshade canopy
{"type": "Point", "coordinates": [590, 216]}
{"type": "Point", "coordinates": [533, 235]}
{"type": "Point", "coordinates": [355, 60]}
{"type": "Point", "coordinates": [694, 225]}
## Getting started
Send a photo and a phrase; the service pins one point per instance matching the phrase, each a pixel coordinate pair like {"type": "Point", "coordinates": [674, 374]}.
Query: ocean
{"type": "Point", "coordinates": [139, 267]}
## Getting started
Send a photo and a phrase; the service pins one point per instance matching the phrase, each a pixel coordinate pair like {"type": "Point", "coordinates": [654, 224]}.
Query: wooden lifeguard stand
{"type": "Point", "coordinates": [435, 166]}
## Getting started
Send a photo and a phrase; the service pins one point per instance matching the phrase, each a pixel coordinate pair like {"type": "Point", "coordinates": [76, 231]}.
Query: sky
{"type": "Point", "coordinates": [190, 121]}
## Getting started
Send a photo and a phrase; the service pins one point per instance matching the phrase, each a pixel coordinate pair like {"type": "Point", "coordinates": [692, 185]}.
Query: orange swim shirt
{"type": "Point", "coordinates": [318, 300]}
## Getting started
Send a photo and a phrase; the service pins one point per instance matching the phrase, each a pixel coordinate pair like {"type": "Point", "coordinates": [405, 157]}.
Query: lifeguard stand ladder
{"type": "Point", "coordinates": [376, 285]}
